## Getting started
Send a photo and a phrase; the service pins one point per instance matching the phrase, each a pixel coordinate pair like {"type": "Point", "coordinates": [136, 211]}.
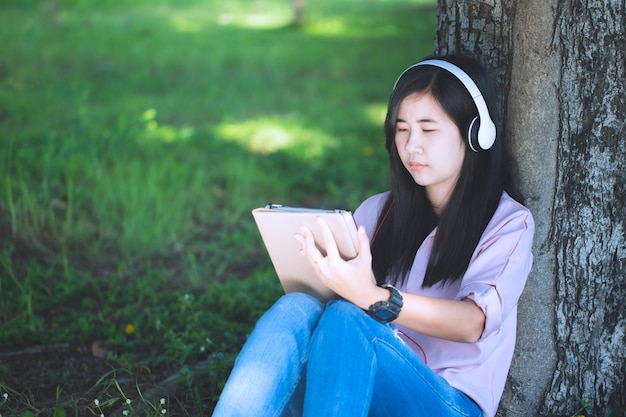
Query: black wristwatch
{"type": "Point", "coordinates": [387, 311]}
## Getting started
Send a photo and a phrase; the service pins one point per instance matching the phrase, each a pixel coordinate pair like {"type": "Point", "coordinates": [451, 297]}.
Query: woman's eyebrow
{"type": "Point", "coordinates": [400, 120]}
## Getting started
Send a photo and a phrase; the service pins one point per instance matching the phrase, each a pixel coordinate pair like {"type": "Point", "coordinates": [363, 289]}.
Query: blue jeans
{"type": "Point", "coordinates": [306, 358]}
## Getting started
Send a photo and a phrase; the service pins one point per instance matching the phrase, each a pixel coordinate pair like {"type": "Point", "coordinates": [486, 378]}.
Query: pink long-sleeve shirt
{"type": "Point", "coordinates": [494, 280]}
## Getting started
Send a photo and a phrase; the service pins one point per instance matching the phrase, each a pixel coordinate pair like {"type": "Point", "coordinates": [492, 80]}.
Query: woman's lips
{"type": "Point", "coordinates": [416, 166]}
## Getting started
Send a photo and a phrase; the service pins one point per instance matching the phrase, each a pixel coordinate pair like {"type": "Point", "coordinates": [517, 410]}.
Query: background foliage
{"type": "Point", "coordinates": [135, 138]}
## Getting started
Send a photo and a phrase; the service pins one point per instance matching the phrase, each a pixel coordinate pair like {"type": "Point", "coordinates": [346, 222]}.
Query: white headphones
{"type": "Point", "coordinates": [479, 135]}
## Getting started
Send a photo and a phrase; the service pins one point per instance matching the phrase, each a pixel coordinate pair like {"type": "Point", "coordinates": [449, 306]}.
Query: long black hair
{"type": "Point", "coordinates": [407, 217]}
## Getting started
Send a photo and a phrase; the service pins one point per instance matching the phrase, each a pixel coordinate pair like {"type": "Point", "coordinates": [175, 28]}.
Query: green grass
{"type": "Point", "coordinates": [135, 138]}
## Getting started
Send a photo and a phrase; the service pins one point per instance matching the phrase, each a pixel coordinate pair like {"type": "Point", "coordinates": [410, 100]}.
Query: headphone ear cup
{"type": "Point", "coordinates": [472, 134]}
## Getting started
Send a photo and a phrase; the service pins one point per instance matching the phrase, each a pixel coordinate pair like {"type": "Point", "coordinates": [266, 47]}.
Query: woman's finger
{"type": "Point", "coordinates": [364, 243]}
{"type": "Point", "coordinates": [309, 248]}
{"type": "Point", "coordinates": [329, 239]}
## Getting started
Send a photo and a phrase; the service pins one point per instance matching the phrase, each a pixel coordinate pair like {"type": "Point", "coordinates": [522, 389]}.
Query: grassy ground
{"type": "Point", "coordinates": [135, 138]}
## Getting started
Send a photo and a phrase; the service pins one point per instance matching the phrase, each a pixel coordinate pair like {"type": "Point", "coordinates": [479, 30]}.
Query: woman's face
{"type": "Point", "coordinates": [430, 145]}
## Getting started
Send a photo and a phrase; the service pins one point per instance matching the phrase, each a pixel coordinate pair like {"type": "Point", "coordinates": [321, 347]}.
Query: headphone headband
{"type": "Point", "coordinates": [486, 135]}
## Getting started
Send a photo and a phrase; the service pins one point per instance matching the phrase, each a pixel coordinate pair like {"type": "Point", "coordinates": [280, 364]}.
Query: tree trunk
{"type": "Point", "coordinates": [590, 207]}
{"type": "Point", "coordinates": [561, 68]}
{"type": "Point", "coordinates": [298, 12]}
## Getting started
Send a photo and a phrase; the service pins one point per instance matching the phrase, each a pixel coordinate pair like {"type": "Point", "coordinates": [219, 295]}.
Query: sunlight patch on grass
{"type": "Point", "coordinates": [268, 135]}
{"type": "Point", "coordinates": [162, 132]}
{"type": "Point", "coordinates": [339, 27]}
{"type": "Point", "coordinates": [329, 27]}
{"type": "Point", "coordinates": [255, 20]}
{"type": "Point", "coordinates": [376, 113]}
{"type": "Point", "coordinates": [186, 24]}
{"type": "Point", "coordinates": [197, 19]}
{"type": "Point", "coordinates": [188, 19]}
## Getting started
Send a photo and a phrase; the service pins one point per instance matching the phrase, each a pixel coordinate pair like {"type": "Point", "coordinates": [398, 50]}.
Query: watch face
{"type": "Point", "coordinates": [385, 315]}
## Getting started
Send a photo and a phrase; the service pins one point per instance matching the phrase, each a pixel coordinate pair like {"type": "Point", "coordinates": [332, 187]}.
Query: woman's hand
{"type": "Point", "coordinates": [352, 279]}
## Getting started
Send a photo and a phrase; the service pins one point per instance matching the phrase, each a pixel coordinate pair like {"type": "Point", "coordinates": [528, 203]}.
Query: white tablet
{"type": "Point", "coordinates": [278, 226]}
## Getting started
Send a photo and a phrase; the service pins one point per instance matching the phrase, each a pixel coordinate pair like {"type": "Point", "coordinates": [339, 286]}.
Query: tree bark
{"type": "Point", "coordinates": [478, 29]}
{"type": "Point", "coordinates": [560, 66]}
{"type": "Point", "coordinates": [590, 207]}
{"type": "Point", "coordinates": [533, 129]}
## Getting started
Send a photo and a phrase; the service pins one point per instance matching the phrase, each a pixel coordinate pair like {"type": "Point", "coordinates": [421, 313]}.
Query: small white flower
{"type": "Point", "coordinates": [101, 414]}
{"type": "Point", "coordinates": [163, 411]}
{"type": "Point", "coordinates": [96, 401]}
{"type": "Point", "coordinates": [162, 401]}
{"type": "Point", "coordinates": [125, 412]}
{"type": "Point", "coordinates": [5, 395]}
{"type": "Point", "coordinates": [127, 400]}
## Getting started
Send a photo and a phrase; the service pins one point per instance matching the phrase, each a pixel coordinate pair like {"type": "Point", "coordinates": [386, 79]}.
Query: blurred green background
{"type": "Point", "coordinates": [135, 138]}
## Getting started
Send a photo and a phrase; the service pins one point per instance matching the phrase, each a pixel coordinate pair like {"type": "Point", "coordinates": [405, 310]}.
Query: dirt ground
{"type": "Point", "coordinates": [74, 375]}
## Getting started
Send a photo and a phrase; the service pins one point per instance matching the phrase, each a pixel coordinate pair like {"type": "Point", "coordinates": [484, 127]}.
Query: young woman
{"type": "Point", "coordinates": [450, 249]}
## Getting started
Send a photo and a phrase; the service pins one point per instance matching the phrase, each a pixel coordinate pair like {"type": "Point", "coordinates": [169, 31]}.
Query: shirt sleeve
{"type": "Point", "coordinates": [500, 266]}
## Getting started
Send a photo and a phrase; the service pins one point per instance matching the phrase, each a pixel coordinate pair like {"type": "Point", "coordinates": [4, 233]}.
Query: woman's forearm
{"type": "Point", "coordinates": [460, 321]}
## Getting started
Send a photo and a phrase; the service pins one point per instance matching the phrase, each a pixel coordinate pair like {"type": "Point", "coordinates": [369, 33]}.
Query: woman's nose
{"type": "Point", "coordinates": [414, 144]}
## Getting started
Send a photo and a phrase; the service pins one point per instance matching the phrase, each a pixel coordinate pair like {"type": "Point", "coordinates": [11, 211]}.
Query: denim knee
{"type": "Point", "coordinates": [344, 309]}
{"type": "Point", "coordinates": [298, 301]}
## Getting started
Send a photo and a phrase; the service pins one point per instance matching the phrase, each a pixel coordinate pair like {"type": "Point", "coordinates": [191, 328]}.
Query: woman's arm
{"type": "Point", "coordinates": [461, 321]}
